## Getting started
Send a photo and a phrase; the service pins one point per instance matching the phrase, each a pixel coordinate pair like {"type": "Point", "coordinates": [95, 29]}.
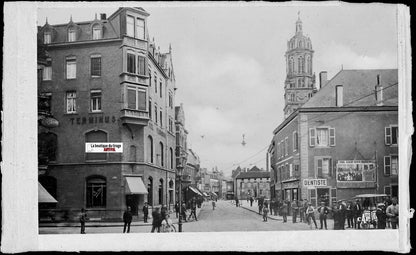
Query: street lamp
{"type": "Point", "coordinates": [180, 168]}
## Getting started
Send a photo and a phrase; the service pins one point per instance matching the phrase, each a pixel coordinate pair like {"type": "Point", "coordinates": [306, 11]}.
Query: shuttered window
{"type": "Point", "coordinates": [387, 190]}
{"type": "Point", "coordinates": [312, 137]}
{"type": "Point", "coordinates": [387, 136]}
{"type": "Point", "coordinates": [332, 137]}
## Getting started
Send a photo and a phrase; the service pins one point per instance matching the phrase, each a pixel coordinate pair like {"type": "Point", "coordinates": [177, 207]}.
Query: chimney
{"type": "Point", "coordinates": [323, 79]}
{"type": "Point", "coordinates": [379, 92]}
{"type": "Point", "coordinates": [339, 99]}
{"type": "Point", "coordinates": [103, 16]}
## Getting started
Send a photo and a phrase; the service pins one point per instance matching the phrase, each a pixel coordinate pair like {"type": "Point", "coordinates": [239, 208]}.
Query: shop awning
{"type": "Point", "coordinates": [44, 196]}
{"type": "Point", "coordinates": [206, 194]}
{"type": "Point", "coordinates": [212, 193]}
{"type": "Point", "coordinates": [195, 191]}
{"type": "Point", "coordinates": [135, 185]}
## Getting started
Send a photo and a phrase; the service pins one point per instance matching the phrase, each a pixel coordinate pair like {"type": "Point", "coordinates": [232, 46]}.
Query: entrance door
{"type": "Point", "coordinates": [394, 190]}
{"type": "Point", "coordinates": [323, 195]}
{"type": "Point", "coordinates": [133, 202]}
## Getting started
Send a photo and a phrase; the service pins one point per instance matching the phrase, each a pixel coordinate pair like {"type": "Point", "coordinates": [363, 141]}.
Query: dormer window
{"type": "Point", "coordinates": [71, 35]}
{"type": "Point", "coordinates": [96, 32]}
{"type": "Point", "coordinates": [47, 38]}
{"type": "Point", "coordinates": [130, 26]}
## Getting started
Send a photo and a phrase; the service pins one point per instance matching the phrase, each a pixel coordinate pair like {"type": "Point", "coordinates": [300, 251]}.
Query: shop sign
{"type": "Point", "coordinates": [93, 120]}
{"type": "Point", "coordinates": [103, 147]}
{"type": "Point", "coordinates": [356, 173]}
{"type": "Point", "coordinates": [315, 182]}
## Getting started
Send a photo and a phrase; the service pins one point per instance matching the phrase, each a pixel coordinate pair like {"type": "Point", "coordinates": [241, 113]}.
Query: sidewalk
{"type": "Point", "coordinates": [117, 223]}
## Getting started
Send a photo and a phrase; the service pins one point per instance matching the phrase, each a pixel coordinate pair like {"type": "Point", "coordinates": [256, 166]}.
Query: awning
{"type": "Point", "coordinates": [206, 194]}
{"type": "Point", "coordinates": [135, 185]}
{"type": "Point", "coordinates": [195, 191]}
{"type": "Point", "coordinates": [44, 196]}
{"type": "Point", "coordinates": [212, 193]}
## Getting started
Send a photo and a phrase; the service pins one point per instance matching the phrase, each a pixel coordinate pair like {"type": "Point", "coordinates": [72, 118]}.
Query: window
{"type": "Point", "coordinates": [96, 192]}
{"type": "Point", "coordinates": [155, 79]}
{"type": "Point", "coordinates": [136, 98]}
{"type": "Point", "coordinates": [170, 125]}
{"type": "Point", "coordinates": [96, 137]}
{"type": "Point", "coordinates": [391, 135]}
{"type": "Point", "coordinates": [171, 158]}
{"type": "Point", "coordinates": [150, 148]}
{"type": "Point", "coordinates": [295, 141]}
{"type": "Point", "coordinates": [45, 102]}
{"type": "Point", "coordinates": [161, 154]}
{"type": "Point", "coordinates": [130, 26]}
{"type": "Point", "coordinates": [387, 165]}
{"type": "Point", "coordinates": [71, 68]}
{"type": "Point", "coordinates": [142, 65]}
{"type": "Point", "coordinates": [96, 32]}
{"type": "Point", "coordinates": [150, 109]}
{"type": "Point", "coordinates": [95, 100]}
{"type": "Point", "coordinates": [96, 66]}
{"type": "Point", "coordinates": [322, 137]}
{"type": "Point", "coordinates": [132, 153]}
{"type": "Point", "coordinates": [286, 146]}
{"type": "Point", "coordinates": [156, 114]}
{"type": "Point", "coordinates": [47, 73]}
{"type": "Point", "coordinates": [170, 100]}
{"type": "Point", "coordinates": [71, 99]}
{"type": "Point", "coordinates": [160, 90]}
{"type": "Point", "coordinates": [387, 190]}
{"type": "Point", "coordinates": [71, 35]}
{"type": "Point", "coordinates": [150, 191]}
{"type": "Point", "coordinates": [296, 170]}
{"type": "Point", "coordinates": [394, 165]}
{"type": "Point", "coordinates": [47, 146]}
{"type": "Point", "coordinates": [140, 29]}
{"type": "Point", "coordinates": [339, 95]}
{"type": "Point", "coordinates": [47, 38]}
{"type": "Point", "coordinates": [150, 77]}
{"type": "Point", "coordinates": [290, 170]}
{"type": "Point", "coordinates": [161, 118]}
{"type": "Point", "coordinates": [323, 167]}
{"type": "Point", "coordinates": [131, 63]}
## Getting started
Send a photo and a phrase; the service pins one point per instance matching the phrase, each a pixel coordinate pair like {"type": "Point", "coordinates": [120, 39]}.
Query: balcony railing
{"type": "Point", "coordinates": [137, 117]}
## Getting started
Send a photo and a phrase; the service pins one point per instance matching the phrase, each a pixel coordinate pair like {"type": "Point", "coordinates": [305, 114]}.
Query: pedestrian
{"type": "Point", "coordinates": [302, 211]}
{"type": "Point", "coordinates": [310, 212]}
{"type": "Point", "coordinates": [349, 214]}
{"type": "Point", "coordinates": [381, 216]}
{"type": "Point", "coordinates": [163, 211]}
{"type": "Point", "coordinates": [295, 208]}
{"type": "Point", "coordinates": [157, 220]}
{"type": "Point", "coordinates": [236, 201]}
{"type": "Point", "coordinates": [272, 206]}
{"type": "Point", "coordinates": [167, 225]}
{"type": "Point", "coordinates": [260, 202]}
{"type": "Point", "coordinates": [193, 211]}
{"type": "Point", "coordinates": [323, 211]}
{"type": "Point", "coordinates": [177, 209]}
{"type": "Point", "coordinates": [341, 214]}
{"type": "Point", "coordinates": [251, 201]}
{"type": "Point", "coordinates": [335, 215]}
{"type": "Point", "coordinates": [213, 205]}
{"type": "Point", "coordinates": [145, 211]}
{"type": "Point", "coordinates": [392, 213]}
{"type": "Point", "coordinates": [183, 211]}
{"type": "Point", "coordinates": [305, 206]}
{"type": "Point", "coordinates": [357, 213]}
{"type": "Point", "coordinates": [275, 207]}
{"type": "Point", "coordinates": [284, 210]}
{"type": "Point", "coordinates": [127, 217]}
{"type": "Point", "coordinates": [82, 219]}
{"type": "Point", "coordinates": [265, 211]}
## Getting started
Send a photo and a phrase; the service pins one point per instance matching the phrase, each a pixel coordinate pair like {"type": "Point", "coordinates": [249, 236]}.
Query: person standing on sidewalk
{"type": "Point", "coordinates": [127, 217]}
{"type": "Point", "coordinates": [357, 211]}
{"type": "Point", "coordinates": [381, 216]}
{"type": "Point", "coordinates": [251, 201]}
{"type": "Point", "coordinates": [236, 201]}
{"type": "Point", "coordinates": [323, 211]}
{"type": "Point", "coordinates": [295, 208]}
{"type": "Point", "coordinates": [260, 203]}
{"type": "Point", "coordinates": [177, 209]}
{"type": "Point", "coordinates": [310, 212]}
{"type": "Point", "coordinates": [145, 212]}
{"type": "Point", "coordinates": [183, 209]}
{"type": "Point", "coordinates": [349, 215]}
{"type": "Point", "coordinates": [82, 220]}
{"type": "Point", "coordinates": [305, 206]}
{"type": "Point", "coordinates": [265, 212]}
{"type": "Point", "coordinates": [193, 211]}
{"type": "Point", "coordinates": [284, 210]}
{"type": "Point", "coordinates": [213, 205]}
{"type": "Point", "coordinates": [341, 214]}
{"type": "Point", "coordinates": [157, 220]}
{"type": "Point", "coordinates": [392, 213]}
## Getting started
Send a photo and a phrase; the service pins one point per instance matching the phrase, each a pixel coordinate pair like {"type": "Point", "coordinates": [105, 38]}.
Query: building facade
{"type": "Point", "coordinates": [300, 79]}
{"type": "Point", "coordinates": [106, 83]}
{"type": "Point", "coordinates": [252, 183]}
{"type": "Point", "coordinates": [342, 142]}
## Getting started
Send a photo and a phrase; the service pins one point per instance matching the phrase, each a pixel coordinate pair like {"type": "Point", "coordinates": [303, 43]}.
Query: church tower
{"type": "Point", "coordinates": [300, 79]}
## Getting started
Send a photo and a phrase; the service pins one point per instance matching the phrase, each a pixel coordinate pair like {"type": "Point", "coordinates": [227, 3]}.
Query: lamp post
{"type": "Point", "coordinates": [180, 169]}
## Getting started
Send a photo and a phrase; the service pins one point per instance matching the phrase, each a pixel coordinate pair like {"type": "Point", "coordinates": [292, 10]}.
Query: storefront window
{"type": "Point", "coordinates": [96, 192]}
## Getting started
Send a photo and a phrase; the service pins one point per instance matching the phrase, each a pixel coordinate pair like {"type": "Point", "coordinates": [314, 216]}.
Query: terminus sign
{"type": "Point", "coordinates": [103, 147]}
{"type": "Point", "coordinates": [315, 182]}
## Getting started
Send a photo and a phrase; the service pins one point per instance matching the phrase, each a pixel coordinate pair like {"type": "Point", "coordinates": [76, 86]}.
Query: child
{"type": "Point", "coordinates": [265, 211]}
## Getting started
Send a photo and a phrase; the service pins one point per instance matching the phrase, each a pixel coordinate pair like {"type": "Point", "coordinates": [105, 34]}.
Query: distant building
{"type": "Point", "coordinates": [342, 142]}
{"type": "Point", "coordinates": [252, 183]}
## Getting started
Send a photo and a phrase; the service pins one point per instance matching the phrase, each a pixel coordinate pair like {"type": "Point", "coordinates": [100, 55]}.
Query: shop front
{"type": "Point", "coordinates": [135, 191]}
{"type": "Point", "coordinates": [319, 190]}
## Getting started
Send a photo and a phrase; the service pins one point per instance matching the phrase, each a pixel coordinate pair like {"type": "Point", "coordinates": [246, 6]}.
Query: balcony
{"type": "Point", "coordinates": [136, 43]}
{"type": "Point", "coordinates": [135, 117]}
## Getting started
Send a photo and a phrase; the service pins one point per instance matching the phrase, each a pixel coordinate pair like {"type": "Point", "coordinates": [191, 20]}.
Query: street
{"type": "Point", "coordinates": [225, 217]}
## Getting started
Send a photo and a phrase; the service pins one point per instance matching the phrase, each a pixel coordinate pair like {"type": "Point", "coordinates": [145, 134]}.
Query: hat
{"type": "Point", "coordinates": [380, 204]}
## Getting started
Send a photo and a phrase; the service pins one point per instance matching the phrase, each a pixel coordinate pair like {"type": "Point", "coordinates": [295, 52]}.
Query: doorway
{"type": "Point", "coordinates": [323, 195]}
{"type": "Point", "coordinates": [133, 202]}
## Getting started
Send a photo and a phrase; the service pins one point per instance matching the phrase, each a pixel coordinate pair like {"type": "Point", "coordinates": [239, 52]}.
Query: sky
{"type": "Point", "coordinates": [230, 67]}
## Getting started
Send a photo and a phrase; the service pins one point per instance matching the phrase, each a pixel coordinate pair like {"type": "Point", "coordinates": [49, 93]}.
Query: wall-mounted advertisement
{"type": "Point", "coordinates": [356, 173]}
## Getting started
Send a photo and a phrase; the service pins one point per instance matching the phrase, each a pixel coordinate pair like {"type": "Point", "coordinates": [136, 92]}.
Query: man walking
{"type": "Point", "coordinates": [323, 211]}
{"type": "Point", "coordinates": [310, 214]}
{"type": "Point", "coordinates": [295, 208]}
{"type": "Point", "coordinates": [145, 212]}
{"type": "Point", "coordinates": [284, 210]}
{"type": "Point", "coordinates": [356, 212]}
{"type": "Point", "coordinates": [260, 204]}
{"type": "Point", "coordinates": [392, 213]}
{"type": "Point", "coordinates": [183, 211]}
{"type": "Point", "coordinates": [127, 217]}
{"type": "Point", "coordinates": [193, 211]}
{"type": "Point", "coordinates": [157, 220]}
{"type": "Point", "coordinates": [251, 201]}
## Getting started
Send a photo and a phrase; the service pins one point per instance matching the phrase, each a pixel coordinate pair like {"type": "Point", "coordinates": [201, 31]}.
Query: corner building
{"type": "Point", "coordinates": [107, 82]}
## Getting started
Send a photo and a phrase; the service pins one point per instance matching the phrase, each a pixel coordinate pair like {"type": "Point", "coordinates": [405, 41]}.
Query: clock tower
{"type": "Point", "coordinates": [300, 79]}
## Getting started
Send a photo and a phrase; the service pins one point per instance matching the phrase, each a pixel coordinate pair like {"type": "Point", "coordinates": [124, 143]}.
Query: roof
{"type": "Point", "coordinates": [253, 174]}
{"type": "Point", "coordinates": [358, 89]}
{"type": "Point", "coordinates": [255, 169]}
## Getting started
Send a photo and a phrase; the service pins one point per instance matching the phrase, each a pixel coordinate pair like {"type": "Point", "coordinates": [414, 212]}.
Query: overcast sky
{"type": "Point", "coordinates": [230, 67]}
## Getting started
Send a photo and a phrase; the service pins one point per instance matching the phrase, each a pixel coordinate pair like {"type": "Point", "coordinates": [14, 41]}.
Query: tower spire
{"type": "Point", "coordinates": [299, 24]}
